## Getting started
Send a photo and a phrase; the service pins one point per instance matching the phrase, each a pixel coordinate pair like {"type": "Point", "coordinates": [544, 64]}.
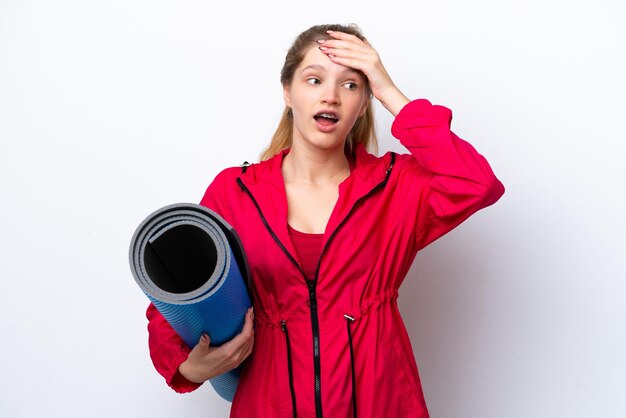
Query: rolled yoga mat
{"type": "Point", "coordinates": [191, 265]}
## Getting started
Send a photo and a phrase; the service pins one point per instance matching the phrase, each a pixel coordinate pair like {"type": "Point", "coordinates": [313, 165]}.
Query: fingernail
{"type": "Point", "coordinates": [329, 31]}
{"type": "Point", "coordinates": [321, 41]}
{"type": "Point", "coordinates": [331, 55]}
{"type": "Point", "coordinates": [322, 48]}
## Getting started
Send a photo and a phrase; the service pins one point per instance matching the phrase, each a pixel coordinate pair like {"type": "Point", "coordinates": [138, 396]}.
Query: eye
{"type": "Point", "coordinates": [313, 80]}
{"type": "Point", "coordinates": [351, 86]}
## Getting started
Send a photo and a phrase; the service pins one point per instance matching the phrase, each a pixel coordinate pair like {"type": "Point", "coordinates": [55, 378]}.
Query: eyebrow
{"type": "Point", "coordinates": [320, 67]}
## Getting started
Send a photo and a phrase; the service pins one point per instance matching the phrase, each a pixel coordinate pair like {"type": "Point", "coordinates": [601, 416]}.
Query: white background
{"type": "Point", "coordinates": [112, 109]}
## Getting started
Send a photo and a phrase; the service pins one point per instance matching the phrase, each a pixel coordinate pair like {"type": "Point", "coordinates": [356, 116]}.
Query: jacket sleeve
{"type": "Point", "coordinates": [167, 351]}
{"type": "Point", "coordinates": [451, 178]}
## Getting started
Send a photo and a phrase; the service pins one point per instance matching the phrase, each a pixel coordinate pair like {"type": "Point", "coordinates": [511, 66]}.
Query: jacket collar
{"type": "Point", "coordinates": [266, 184]}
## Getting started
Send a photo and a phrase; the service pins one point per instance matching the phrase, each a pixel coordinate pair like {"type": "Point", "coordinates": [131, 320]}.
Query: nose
{"type": "Point", "coordinates": [330, 94]}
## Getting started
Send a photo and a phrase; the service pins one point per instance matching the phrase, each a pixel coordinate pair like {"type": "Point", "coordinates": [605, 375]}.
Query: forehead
{"type": "Point", "coordinates": [316, 60]}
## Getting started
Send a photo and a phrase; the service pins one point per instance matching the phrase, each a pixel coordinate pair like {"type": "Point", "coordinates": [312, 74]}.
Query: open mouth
{"type": "Point", "coordinates": [326, 118]}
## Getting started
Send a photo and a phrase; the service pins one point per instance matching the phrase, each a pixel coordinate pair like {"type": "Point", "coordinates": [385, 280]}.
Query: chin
{"type": "Point", "coordinates": [326, 145]}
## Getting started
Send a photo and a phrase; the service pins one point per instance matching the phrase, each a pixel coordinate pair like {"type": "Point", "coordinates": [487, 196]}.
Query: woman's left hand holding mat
{"type": "Point", "coordinates": [205, 362]}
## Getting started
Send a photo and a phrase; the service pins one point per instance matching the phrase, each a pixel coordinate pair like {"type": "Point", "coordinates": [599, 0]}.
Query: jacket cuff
{"type": "Point", "coordinates": [420, 113]}
{"type": "Point", "coordinates": [176, 380]}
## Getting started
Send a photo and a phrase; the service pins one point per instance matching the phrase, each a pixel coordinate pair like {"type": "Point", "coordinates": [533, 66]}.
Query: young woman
{"type": "Point", "coordinates": [330, 232]}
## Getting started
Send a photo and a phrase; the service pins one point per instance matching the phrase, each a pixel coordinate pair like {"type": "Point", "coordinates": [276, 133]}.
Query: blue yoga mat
{"type": "Point", "coordinates": [191, 265]}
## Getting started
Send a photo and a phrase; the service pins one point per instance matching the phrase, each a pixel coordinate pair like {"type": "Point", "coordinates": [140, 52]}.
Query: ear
{"type": "Point", "coordinates": [287, 95]}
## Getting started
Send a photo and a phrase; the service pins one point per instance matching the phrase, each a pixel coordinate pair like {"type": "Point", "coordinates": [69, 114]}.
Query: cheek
{"type": "Point", "coordinates": [356, 104]}
{"type": "Point", "coordinates": [300, 98]}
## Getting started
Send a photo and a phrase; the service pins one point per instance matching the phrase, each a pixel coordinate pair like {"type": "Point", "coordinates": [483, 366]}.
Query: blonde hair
{"type": "Point", "coordinates": [363, 131]}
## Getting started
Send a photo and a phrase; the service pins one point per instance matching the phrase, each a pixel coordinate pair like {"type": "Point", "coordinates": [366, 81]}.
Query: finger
{"type": "Point", "coordinates": [365, 53]}
{"type": "Point", "coordinates": [248, 324]}
{"type": "Point", "coordinates": [204, 343]}
{"type": "Point", "coordinates": [350, 40]}
{"type": "Point", "coordinates": [202, 340]}
{"type": "Point", "coordinates": [251, 347]}
{"type": "Point", "coordinates": [348, 53]}
{"type": "Point", "coordinates": [355, 61]}
{"type": "Point", "coordinates": [246, 353]}
{"type": "Point", "coordinates": [343, 35]}
{"type": "Point", "coordinates": [247, 350]}
{"type": "Point", "coordinates": [347, 62]}
{"type": "Point", "coordinates": [347, 45]}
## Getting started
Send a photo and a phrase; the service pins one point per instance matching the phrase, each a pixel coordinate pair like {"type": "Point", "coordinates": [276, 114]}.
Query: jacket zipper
{"type": "Point", "coordinates": [313, 284]}
{"type": "Point", "coordinates": [315, 326]}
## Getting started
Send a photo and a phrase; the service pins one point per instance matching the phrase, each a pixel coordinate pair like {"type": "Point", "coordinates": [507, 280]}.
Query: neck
{"type": "Point", "coordinates": [315, 166]}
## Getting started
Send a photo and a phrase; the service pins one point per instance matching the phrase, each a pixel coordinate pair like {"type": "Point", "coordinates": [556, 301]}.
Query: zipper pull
{"type": "Point", "coordinates": [283, 325]}
{"type": "Point", "coordinates": [391, 163]}
{"type": "Point", "coordinates": [311, 286]}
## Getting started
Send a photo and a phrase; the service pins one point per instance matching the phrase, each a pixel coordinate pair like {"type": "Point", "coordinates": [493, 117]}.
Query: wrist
{"type": "Point", "coordinates": [393, 100]}
{"type": "Point", "coordinates": [189, 372]}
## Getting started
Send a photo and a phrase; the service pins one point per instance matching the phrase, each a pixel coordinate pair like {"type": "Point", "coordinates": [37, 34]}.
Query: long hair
{"type": "Point", "coordinates": [363, 131]}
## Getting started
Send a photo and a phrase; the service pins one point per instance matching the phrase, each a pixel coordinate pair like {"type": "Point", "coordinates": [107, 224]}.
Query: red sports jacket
{"type": "Point", "coordinates": [324, 346]}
